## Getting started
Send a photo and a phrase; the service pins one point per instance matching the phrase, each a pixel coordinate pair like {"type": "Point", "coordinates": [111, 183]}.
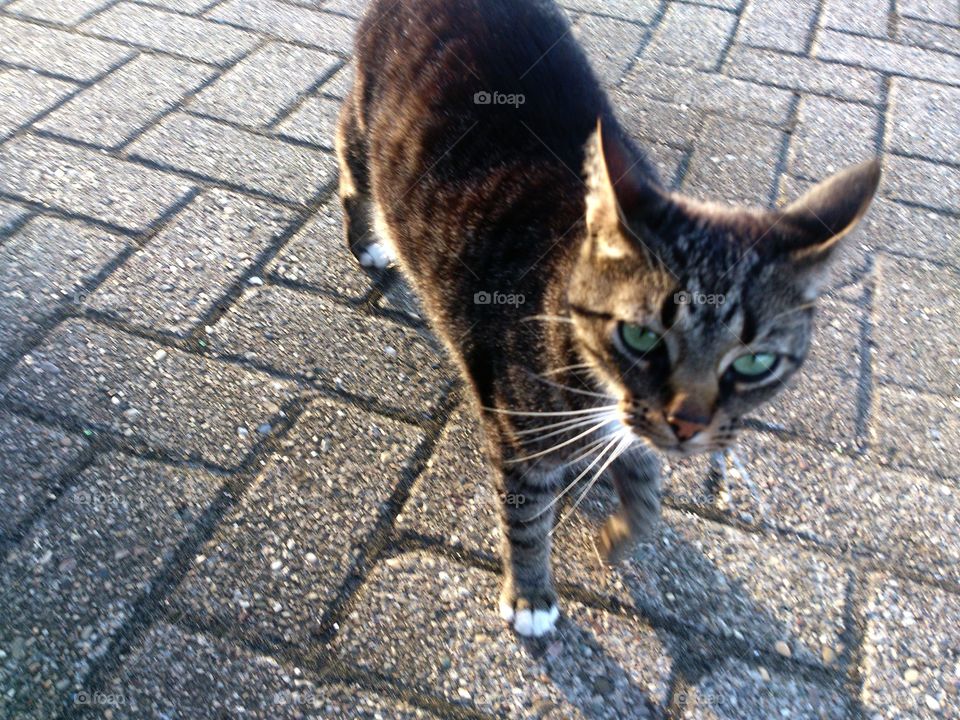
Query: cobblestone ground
{"type": "Point", "coordinates": [232, 488]}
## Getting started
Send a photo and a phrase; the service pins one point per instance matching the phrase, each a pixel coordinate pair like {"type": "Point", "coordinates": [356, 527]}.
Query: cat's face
{"type": "Point", "coordinates": [693, 315]}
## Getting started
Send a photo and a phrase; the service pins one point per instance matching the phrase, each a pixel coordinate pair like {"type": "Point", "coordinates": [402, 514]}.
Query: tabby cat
{"type": "Point", "coordinates": [595, 315]}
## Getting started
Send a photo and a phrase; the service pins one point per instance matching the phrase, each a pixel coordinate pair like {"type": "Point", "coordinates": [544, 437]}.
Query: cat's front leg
{"type": "Point", "coordinates": [528, 599]}
{"type": "Point", "coordinates": [636, 477]}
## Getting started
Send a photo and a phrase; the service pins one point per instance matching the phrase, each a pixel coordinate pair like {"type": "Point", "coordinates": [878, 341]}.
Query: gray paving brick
{"type": "Point", "coordinates": [911, 652]}
{"type": "Point", "coordinates": [804, 74]}
{"type": "Point", "coordinates": [437, 627]}
{"type": "Point", "coordinates": [127, 100]}
{"type": "Point", "coordinates": [696, 572]}
{"type": "Point", "coordinates": [353, 8]}
{"type": "Point", "coordinates": [289, 22]}
{"type": "Point", "coordinates": [318, 256]}
{"type": "Point", "coordinates": [281, 556]}
{"type": "Point", "coordinates": [669, 163]}
{"type": "Point", "coordinates": [913, 231]}
{"type": "Point", "coordinates": [182, 404]}
{"type": "Point", "coordinates": [58, 52]}
{"type": "Point", "coordinates": [916, 307]}
{"type": "Point", "coordinates": [339, 85]}
{"type": "Point", "coordinates": [658, 121]}
{"type": "Point", "coordinates": [318, 339]}
{"type": "Point", "coordinates": [315, 121]}
{"type": "Point", "coordinates": [77, 575]}
{"type": "Point", "coordinates": [611, 45]}
{"type": "Point", "coordinates": [173, 33]}
{"type": "Point", "coordinates": [888, 56]}
{"type": "Point", "coordinates": [10, 215]}
{"type": "Point", "coordinates": [691, 35]}
{"type": "Point", "coordinates": [643, 11]}
{"type": "Point", "coordinates": [57, 11]}
{"type": "Point", "coordinates": [924, 120]}
{"type": "Point", "coordinates": [742, 690]}
{"type": "Point", "coordinates": [179, 277]}
{"type": "Point", "coordinates": [831, 134]}
{"type": "Point", "coordinates": [924, 183]}
{"type": "Point", "coordinates": [892, 517]}
{"type": "Point", "coordinates": [25, 95]}
{"type": "Point", "coordinates": [87, 182]}
{"type": "Point", "coordinates": [175, 674]}
{"type": "Point", "coordinates": [735, 161]}
{"type": "Point", "coordinates": [250, 93]}
{"type": "Point", "coordinates": [942, 11]}
{"type": "Point", "coordinates": [864, 17]}
{"type": "Point", "coordinates": [186, 6]}
{"type": "Point", "coordinates": [916, 430]}
{"type": "Point", "coordinates": [780, 24]}
{"type": "Point", "coordinates": [225, 153]}
{"type": "Point", "coordinates": [43, 267]}
{"type": "Point", "coordinates": [929, 35]}
{"type": "Point", "coordinates": [710, 92]}
{"type": "Point", "coordinates": [32, 458]}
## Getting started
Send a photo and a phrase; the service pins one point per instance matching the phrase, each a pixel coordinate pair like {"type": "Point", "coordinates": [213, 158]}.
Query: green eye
{"type": "Point", "coordinates": [638, 338]}
{"type": "Point", "coordinates": [755, 366]}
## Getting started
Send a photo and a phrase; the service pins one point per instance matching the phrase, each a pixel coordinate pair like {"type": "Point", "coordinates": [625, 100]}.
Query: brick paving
{"type": "Point", "coordinates": [234, 487]}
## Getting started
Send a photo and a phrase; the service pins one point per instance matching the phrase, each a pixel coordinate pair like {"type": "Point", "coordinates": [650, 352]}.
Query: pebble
{"type": "Point", "coordinates": [255, 281]}
{"type": "Point", "coordinates": [764, 674]}
{"type": "Point", "coordinates": [264, 429]}
{"type": "Point", "coordinates": [160, 355]}
{"type": "Point", "coordinates": [131, 414]}
{"type": "Point", "coordinates": [911, 676]}
{"type": "Point", "coordinates": [829, 655]}
{"type": "Point", "coordinates": [931, 702]}
{"type": "Point", "coordinates": [783, 649]}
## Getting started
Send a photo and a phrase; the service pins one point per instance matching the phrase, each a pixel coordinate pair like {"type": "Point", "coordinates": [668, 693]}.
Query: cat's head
{"type": "Point", "coordinates": [694, 314]}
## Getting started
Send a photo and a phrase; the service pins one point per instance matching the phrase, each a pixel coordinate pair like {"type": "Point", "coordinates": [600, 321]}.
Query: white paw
{"type": "Point", "coordinates": [377, 255]}
{"type": "Point", "coordinates": [530, 623]}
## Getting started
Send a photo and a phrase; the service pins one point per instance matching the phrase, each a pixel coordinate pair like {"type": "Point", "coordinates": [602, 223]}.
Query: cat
{"type": "Point", "coordinates": [595, 316]}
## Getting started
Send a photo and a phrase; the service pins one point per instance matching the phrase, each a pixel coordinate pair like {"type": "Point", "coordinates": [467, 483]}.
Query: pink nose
{"type": "Point", "coordinates": [684, 427]}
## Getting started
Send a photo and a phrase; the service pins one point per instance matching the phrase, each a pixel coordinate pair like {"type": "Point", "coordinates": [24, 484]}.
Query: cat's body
{"type": "Point", "coordinates": [550, 261]}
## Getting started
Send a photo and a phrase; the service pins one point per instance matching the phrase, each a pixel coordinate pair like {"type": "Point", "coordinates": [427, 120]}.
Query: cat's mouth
{"type": "Point", "coordinates": [719, 434]}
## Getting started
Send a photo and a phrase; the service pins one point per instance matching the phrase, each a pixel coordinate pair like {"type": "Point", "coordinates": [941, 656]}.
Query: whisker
{"type": "Point", "coordinates": [561, 431]}
{"type": "Point", "coordinates": [549, 318]}
{"type": "Point", "coordinates": [556, 425]}
{"type": "Point", "coordinates": [587, 451]}
{"type": "Point", "coordinates": [561, 445]}
{"type": "Point", "coordinates": [577, 479]}
{"type": "Point", "coordinates": [578, 366]}
{"type": "Point", "coordinates": [563, 413]}
{"type": "Point", "coordinates": [567, 388]}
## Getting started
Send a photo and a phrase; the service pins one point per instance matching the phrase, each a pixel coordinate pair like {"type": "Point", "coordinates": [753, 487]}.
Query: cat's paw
{"type": "Point", "coordinates": [377, 255]}
{"type": "Point", "coordinates": [530, 618]}
{"type": "Point", "coordinates": [616, 540]}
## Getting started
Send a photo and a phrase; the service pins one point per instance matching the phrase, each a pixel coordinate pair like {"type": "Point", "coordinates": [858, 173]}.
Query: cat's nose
{"type": "Point", "coordinates": [685, 427]}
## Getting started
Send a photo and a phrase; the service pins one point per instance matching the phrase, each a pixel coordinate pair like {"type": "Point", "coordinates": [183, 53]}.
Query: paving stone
{"type": "Point", "coordinates": [334, 345]}
{"type": "Point", "coordinates": [10, 215]}
{"type": "Point", "coordinates": [176, 281]}
{"type": "Point", "coordinates": [889, 57]}
{"type": "Point", "coordinates": [87, 182]}
{"type": "Point", "coordinates": [43, 267]}
{"type": "Point", "coordinates": [438, 628]}
{"type": "Point", "coordinates": [127, 100]}
{"type": "Point", "coordinates": [831, 135]}
{"type": "Point", "coordinates": [657, 121]}
{"type": "Point", "coordinates": [281, 556]}
{"type": "Point", "coordinates": [916, 430]}
{"type": "Point", "coordinates": [697, 572]}
{"type": "Point", "coordinates": [240, 158]}
{"type": "Point", "coordinates": [924, 120]}
{"type": "Point", "coordinates": [710, 92]}
{"type": "Point", "coordinates": [298, 24]}
{"type": "Point", "coordinates": [315, 122]}
{"type": "Point", "coordinates": [611, 45]}
{"type": "Point", "coordinates": [58, 52]}
{"type": "Point", "coordinates": [339, 85]}
{"type": "Point", "coordinates": [899, 518]}
{"type": "Point", "coordinates": [911, 669]}
{"type": "Point", "coordinates": [186, 405]}
{"type": "Point", "coordinates": [32, 458]}
{"type": "Point", "coordinates": [691, 35]}
{"type": "Point", "coordinates": [929, 35]}
{"type": "Point", "coordinates": [804, 74]}
{"type": "Point", "coordinates": [780, 24]}
{"type": "Point", "coordinates": [643, 11]}
{"type": "Point", "coordinates": [78, 574]}
{"type": "Point", "coordinates": [864, 17]}
{"type": "Point", "coordinates": [57, 11]}
{"type": "Point", "coordinates": [742, 691]}
{"type": "Point", "coordinates": [24, 95]}
{"type": "Point", "coordinates": [916, 308]}
{"type": "Point", "coordinates": [186, 6]}
{"type": "Point", "coordinates": [173, 33]}
{"type": "Point", "coordinates": [735, 161]}
{"type": "Point", "coordinates": [250, 94]}
{"type": "Point", "coordinates": [353, 8]}
{"type": "Point", "coordinates": [941, 11]}
{"type": "Point", "coordinates": [317, 256]}
{"type": "Point", "coordinates": [174, 674]}
{"type": "Point", "coordinates": [669, 162]}
{"type": "Point", "coordinates": [914, 231]}
{"type": "Point", "coordinates": [925, 183]}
